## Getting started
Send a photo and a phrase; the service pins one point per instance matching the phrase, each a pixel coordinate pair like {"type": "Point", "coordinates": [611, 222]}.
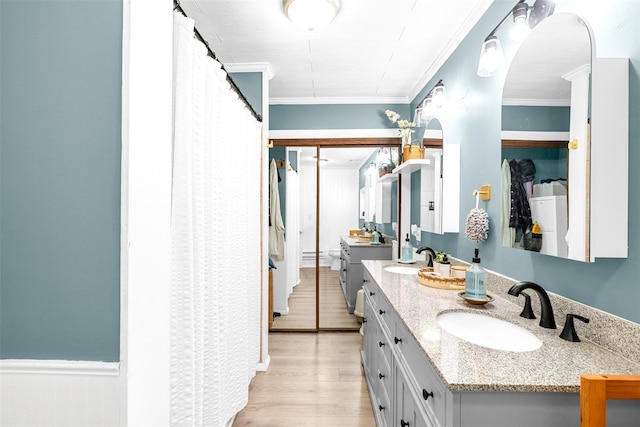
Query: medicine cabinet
{"type": "Point", "coordinates": [567, 111]}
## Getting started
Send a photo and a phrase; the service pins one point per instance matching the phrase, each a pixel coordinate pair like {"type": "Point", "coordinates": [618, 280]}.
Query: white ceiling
{"type": "Point", "coordinates": [375, 51]}
{"type": "Point", "coordinates": [339, 157]}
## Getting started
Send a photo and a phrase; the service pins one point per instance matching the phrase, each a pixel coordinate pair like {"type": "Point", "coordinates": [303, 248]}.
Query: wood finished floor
{"type": "Point", "coordinates": [302, 304]}
{"type": "Point", "coordinates": [313, 380]}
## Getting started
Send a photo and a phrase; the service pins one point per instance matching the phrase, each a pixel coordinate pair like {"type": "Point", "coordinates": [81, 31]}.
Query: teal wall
{"type": "Point", "coordinates": [524, 118]}
{"type": "Point", "coordinates": [608, 284]}
{"type": "Point", "coordinates": [60, 79]}
{"type": "Point", "coordinates": [337, 116]}
{"type": "Point", "coordinates": [250, 84]}
{"type": "Point", "coordinates": [474, 121]}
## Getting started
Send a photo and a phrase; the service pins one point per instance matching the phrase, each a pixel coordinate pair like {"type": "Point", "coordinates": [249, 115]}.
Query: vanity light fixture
{"type": "Point", "coordinates": [311, 15]}
{"type": "Point", "coordinates": [520, 28]}
{"type": "Point", "coordinates": [432, 104]}
{"type": "Point", "coordinates": [491, 55]}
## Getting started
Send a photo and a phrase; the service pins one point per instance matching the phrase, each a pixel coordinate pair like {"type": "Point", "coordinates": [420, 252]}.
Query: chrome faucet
{"type": "Point", "coordinates": [432, 254]}
{"type": "Point", "coordinates": [546, 311]}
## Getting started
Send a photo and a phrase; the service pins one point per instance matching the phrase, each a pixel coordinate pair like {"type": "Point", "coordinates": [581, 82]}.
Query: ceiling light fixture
{"type": "Point", "coordinates": [311, 15]}
{"type": "Point", "coordinates": [491, 56]}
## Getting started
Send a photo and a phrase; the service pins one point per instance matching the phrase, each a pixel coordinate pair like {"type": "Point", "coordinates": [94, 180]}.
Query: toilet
{"type": "Point", "coordinates": [335, 259]}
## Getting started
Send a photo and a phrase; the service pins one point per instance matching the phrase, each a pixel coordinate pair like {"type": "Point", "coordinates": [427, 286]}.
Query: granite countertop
{"type": "Point", "coordinates": [462, 366]}
{"type": "Point", "coordinates": [355, 241]}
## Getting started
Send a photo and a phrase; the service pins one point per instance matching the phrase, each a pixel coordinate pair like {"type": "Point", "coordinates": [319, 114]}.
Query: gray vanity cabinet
{"type": "Point", "coordinates": [393, 389]}
{"type": "Point", "coordinates": [406, 390]}
{"type": "Point", "coordinates": [351, 271]}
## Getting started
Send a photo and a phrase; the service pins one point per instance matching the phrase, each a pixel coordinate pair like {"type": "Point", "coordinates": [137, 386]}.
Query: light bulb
{"type": "Point", "coordinates": [520, 28]}
{"type": "Point", "coordinates": [491, 57]}
{"type": "Point", "coordinates": [439, 96]}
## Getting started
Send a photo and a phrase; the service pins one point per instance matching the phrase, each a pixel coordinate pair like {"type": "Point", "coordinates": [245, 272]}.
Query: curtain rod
{"type": "Point", "coordinates": [212, 54]}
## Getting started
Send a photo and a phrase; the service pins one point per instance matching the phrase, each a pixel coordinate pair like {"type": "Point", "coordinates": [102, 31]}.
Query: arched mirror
{"type": "Point", "coordinates": [545, 104]}
{"type": "Point", "coordinates": [439, 182]}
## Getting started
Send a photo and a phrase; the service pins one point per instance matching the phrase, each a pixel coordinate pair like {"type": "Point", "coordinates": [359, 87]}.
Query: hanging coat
{"type": "Point", "coordinates": [520, 218]}
{"type": "Point", "coordinates": [508, 233]}
{"type": "Point", "coordinates": [276, 225]}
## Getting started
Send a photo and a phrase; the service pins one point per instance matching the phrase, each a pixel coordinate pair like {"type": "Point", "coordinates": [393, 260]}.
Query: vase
{"type": "Point", "coordinates": [409, 151]}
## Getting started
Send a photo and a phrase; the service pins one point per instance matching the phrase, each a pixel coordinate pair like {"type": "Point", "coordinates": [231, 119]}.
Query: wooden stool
{"type": "Point", "coordinates": [596, 389]}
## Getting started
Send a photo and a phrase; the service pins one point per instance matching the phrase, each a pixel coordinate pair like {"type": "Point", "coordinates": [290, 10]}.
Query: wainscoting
{"type": "Point", "coordinates": [59, 393]}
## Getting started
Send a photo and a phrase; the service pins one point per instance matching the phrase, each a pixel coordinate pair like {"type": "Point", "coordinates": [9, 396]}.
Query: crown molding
{"type": "Point", "coordinates": [338, 100]}
{"type": "Point", "coordinates": [536, 102]}
{"type": "Point", "coordinates": [251, 67]}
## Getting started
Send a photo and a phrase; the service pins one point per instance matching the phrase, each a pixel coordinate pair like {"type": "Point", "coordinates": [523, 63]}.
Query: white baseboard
{"type": "Point", "coordinates": [263, 366]}
{"type": "Point", "coordinates": [59, 393]}
{"type": "Point", "coordinates": [58, 367]}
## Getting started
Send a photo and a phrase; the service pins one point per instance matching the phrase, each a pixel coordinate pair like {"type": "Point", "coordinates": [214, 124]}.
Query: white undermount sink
{"type": "Point", "coordinates": [488, 331]}
{"type": "Point", "coordinates": [401, 269]}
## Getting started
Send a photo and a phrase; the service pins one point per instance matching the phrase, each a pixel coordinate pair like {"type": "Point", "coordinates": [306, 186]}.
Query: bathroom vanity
{"type": "Point", "coordinates": [352, 252]}
{"type": "Point", "coordinates": [418, 374]}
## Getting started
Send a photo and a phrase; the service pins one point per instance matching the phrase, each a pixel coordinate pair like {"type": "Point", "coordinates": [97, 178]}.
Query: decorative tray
{"type": "Point", "coordinates": [427, 277]}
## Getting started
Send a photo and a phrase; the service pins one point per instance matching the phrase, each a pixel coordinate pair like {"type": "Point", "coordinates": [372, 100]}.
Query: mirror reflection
{"type": "Point", "coordinates": [293, 294]}
{"type": "Point", "coordinates": [340, 213]}
{"type": "Point", "coordinates": [545, 99]}
{"type": "Point", "coordinates": [431, 179]}
{"type": "Point", "coordinates": [310, 283]}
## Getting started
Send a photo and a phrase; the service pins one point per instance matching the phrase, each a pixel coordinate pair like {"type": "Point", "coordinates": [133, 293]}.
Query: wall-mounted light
{"type": "Point", "coordinates": [311, 15]}
{"type": "Point", "coordinates": [432, 104]}
{"type": "Point", "coordinates": [491, 56]}
{"type": "Point", "coordinates": [520, 28]}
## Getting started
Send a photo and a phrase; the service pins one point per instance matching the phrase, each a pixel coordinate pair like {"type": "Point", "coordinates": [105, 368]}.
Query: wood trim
{"type": "Point", "coordinates": [517, 143]}
{"type": "Point", "coordinates": [433, 142]}
{"type": "Point", "coordinates": [351, 142]}
{"type": "Point", "coordinates": [596, 389]}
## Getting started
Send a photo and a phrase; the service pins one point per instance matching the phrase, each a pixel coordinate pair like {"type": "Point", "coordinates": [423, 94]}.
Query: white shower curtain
{"type": "Point", "coordinates": [215, 220]}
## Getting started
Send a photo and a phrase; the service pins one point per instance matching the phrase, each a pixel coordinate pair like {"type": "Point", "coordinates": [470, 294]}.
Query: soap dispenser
{"type": "Point", "coordinates": [476, 280]}
{"type": "Point", "coordinates": [375, 236]}
{"type": "Point", "coordinates": [407, 251]}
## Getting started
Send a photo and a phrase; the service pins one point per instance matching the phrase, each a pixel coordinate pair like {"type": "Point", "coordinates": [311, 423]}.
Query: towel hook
{"type": "Point", "coordinates": [484, 192]}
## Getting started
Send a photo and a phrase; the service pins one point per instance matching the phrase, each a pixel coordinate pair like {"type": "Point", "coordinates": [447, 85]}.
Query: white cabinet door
{"type": "Point", "coordinates": [578, 174]}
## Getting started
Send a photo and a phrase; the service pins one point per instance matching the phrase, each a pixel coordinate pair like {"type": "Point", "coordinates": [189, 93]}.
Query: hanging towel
{"type": "Point", "coordinates": [276, 226]}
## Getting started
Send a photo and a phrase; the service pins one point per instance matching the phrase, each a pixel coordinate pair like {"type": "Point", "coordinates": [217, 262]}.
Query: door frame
{"type": "Point", "coordinates": [319, 140]}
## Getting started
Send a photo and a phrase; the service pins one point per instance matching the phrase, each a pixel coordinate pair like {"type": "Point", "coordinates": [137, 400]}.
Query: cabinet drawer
{"type": "Point", "coordinates": [430, 389]}
{"type": "Point", "coordinates": [382, 407]}
{"type": "Point", "coordinates": [371, 292]}
{"type": "Point", "coordinates": [383, 371]}
{"type": "Point", "coordinates": [379, 304]}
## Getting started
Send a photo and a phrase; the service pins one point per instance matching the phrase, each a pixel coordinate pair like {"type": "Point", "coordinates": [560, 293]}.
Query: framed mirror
{"type": "Point", "coordinates": [545, 103]}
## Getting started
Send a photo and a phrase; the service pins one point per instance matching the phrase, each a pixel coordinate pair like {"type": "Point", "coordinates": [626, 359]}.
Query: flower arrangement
{"type": "Point", "coordinates": [405, 126]}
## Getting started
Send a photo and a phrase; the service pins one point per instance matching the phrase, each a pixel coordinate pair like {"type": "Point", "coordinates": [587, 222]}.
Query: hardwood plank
{"type": "Point", "coordinates": [302, 308]}
{"type": "Point", "coordinates": [313, 380]}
